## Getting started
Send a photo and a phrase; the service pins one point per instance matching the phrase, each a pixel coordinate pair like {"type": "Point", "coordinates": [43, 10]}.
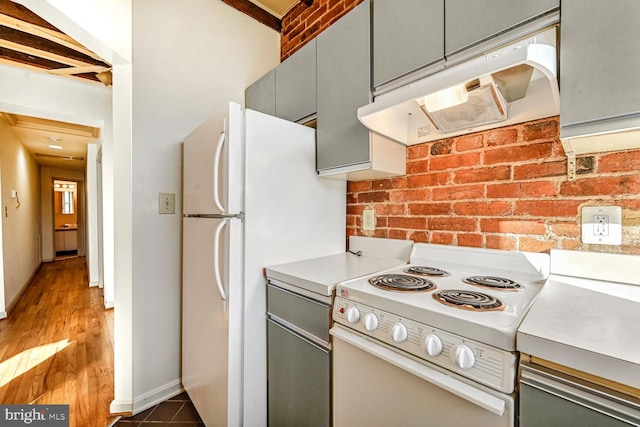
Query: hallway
{"type": "Point", "coordinates": [56, 347]}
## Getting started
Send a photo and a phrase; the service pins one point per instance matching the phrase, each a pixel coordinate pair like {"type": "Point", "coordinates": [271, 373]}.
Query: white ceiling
{"type": "Point", "coordinates": [276, 7]}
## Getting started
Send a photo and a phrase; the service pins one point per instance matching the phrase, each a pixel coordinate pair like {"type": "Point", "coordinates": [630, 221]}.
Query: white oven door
{"type": "Point", "coordinates": [374, 385]}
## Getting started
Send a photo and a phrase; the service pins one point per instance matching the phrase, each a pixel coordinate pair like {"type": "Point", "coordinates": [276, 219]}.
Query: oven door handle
{"type": "Point", "coordinates": [465, 391]}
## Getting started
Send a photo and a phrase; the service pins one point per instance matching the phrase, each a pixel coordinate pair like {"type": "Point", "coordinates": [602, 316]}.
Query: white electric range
{"type": "Point", "coordinates": [448, 320]}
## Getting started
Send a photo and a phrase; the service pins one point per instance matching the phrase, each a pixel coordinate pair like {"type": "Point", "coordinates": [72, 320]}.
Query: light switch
{"type": "Point", "coordinates": [602, 225]}
{"type": "Point", "coordinates": [166, 203]}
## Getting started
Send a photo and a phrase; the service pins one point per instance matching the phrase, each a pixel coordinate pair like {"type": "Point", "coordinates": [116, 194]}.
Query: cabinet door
{"type": "Point", "coordinates": [407, 35]}
{"type": "Point", "coordinates": [296, 84]}
{"type": "Point", "coordinates": [261, 95]}
{"type": "Point", "coordinates": [343, 87]}
{"type": "Point", "coordinates": [470, 21]}
{"type": "Point", "coordinates": [70, 240]}
{"type": "Point", "coordinates": [599, 60]}
{"type": "Point", "coordinates": [59, 241]}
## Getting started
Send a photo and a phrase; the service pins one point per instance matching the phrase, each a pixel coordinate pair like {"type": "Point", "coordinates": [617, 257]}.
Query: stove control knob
{"type": "Point", "coordinates": [353, 315]}
{"type": "Point", "coordinates": [462, 356]}
{"type": "Point", "coordinates": [433, 345]}
{"type": "Point", "coordinates": [399, 332]}
{"type": "Point", "coordinates": [371, 322]}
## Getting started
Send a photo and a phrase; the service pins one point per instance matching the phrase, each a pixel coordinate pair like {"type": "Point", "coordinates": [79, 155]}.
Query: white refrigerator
{"type": "Point", "coordinates": [252, 198]}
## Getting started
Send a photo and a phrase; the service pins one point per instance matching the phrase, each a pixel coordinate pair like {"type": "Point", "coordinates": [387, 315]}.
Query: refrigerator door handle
{"type": "Point", "coordinates": [216, 165]}
{"type": "Point", "coordinates": [216, 263]}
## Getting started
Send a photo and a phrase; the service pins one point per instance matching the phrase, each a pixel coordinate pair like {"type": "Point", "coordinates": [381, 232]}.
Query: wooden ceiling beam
{"type": "Point", "coordinates": [260, 15]}
{"type": "Point", "coordinates": [13, 58]}
{"type": "Point", "coordinates": [19, 12]}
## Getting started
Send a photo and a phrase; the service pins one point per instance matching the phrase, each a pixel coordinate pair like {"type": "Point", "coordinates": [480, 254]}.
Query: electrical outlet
{"type": "Point", "coordinates": [166, 203]}
{"type": "Point", "coordinates": [368, 220]}
{"type": "Point", "coordinates": [602, 225]}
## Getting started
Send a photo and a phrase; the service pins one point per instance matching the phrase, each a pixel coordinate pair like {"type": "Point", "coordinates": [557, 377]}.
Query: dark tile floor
{"type": "Point", "coordinates": [175, 412]}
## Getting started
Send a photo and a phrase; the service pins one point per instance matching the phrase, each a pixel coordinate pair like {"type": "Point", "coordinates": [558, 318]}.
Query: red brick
{"type": "Point", "coordinates": [381, 221]}
{"type": "Point", "coordinates": [430, 209]}
{"type": "Point", "coordinates": [540, 170]}
{"type": "Point", "coordinates": [351, 199]}
{"type": "Point", "coordinates": [410, 223]}
{"type": "Point", "coordinates": [629, 204]}
{"type": "Point", "coordinates": [351, 220]}
{"type": "Point", "coordinates": [518, 153]}
{"type": "Point", "coordinates": [428, 180]}
{"type": "Point", "coordinates": [379, 232]}
{"type": "Point", "coordinates": [521, 190]}
{"type": "Point", "coordinates": [469, 142]}
{"type": "Point", "coordinates": [452, 223]}
{"type": "Point", "coordinates": [602, 185]}
{"type": "Point", "coordinates": [501, 136]}
{"type": "Point", "coordinates": [442, 238]}
{"type": "Point", "coordinates": [390, 209]}
{"type": "Point", "coordinates": [571, 244]}
{"type": "Point", "coordinates": [534, 245]}
{"type": "Point", "coordinates": [512, 226]}
{"type": "Point", "coordinates": [465, 176]}
{"type": "Point", "coordinates": [389, 184]}
{"type": "Point", "coordinates": [441, 147]}
{"type": "Point", "coordinates": [398, 234]}
{"type": "Point", "coordinates": [501, 242]}
{"type": "Point", "coordinates": [355, 209]}
{"type": "Point", "coordinates": [419, 237]}
{"type": "Point", "coordinates": [454, 161]}
{"type": "Point", "coordinates": [373, 196]}
{"type": "Point", "coordinates": [620, 162]}
{"type": "Point", "coordinates": [358, 186]}
{"type": "Point", "coordinates": [418, 166]}
{"type": "Point", "coordinates": [459, 192]}
{"type": "Point", "coordinates": [418, 151]}
{"type": "Point", "coordinates": [408, 195]}
{"type": "Point", "coordinates": [566, 229]}
{"type": "Point", "coordinates": [548, 208]}
{"type": "Point", "coordinates": [467, 239]}
{"type": "Point", "coordinates": [482, 208]}
{"type": "Point", "coordinates": [540, 130]}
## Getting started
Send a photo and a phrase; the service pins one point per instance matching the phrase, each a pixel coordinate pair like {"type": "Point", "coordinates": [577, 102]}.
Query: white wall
{"type": "Point", "coordinates": [20, 223]}
{"type": "Point", "coordinates": [189, 60]}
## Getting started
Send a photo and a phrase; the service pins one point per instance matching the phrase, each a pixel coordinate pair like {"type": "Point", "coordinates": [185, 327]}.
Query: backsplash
{"type": "Point", "coordinates": [506, 188]}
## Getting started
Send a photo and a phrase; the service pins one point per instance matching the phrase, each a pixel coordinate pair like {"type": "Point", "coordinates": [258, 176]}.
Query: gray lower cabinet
{"type": "Point", "coordinates": [261, 95]}
{"type": "Point", "coordinates": [407, 35]}
{"type": "Point", "coordinates": [470, 21]}
{"type": "Point", "coordinates": [599, 64]}
{"type": "Point", "coordinates": [343, 87]}
{"type": "Point", "coordinates": [296, 84]}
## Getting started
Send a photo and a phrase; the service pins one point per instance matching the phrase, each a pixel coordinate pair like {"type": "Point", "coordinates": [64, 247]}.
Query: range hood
{"type": "Point", "coordinates": [513, 84]}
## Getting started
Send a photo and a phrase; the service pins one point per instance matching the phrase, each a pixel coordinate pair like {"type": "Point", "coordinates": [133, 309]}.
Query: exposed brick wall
{"type": "Point", "coordinates": [506, 188]}
{"type": "Point", "coordinates": [303, 23]}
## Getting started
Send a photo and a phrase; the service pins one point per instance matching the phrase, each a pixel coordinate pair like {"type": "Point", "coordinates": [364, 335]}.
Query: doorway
{"type": "Point", "coordinates": [65, 218]}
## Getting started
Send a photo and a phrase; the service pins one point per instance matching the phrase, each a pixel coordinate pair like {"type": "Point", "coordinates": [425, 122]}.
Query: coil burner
{"type": "Point", "coordinates": [494, 283]}
{"type": "Point", "coordinates": [469, 300]}
{"type": "Point", "coordinates": [426, 271]}
{"type": "Point", "coordinates": [402, 283]}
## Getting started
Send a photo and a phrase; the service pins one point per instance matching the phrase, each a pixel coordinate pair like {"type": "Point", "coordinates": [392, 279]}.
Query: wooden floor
{"type": "Point", "coordinates": [56, 347]}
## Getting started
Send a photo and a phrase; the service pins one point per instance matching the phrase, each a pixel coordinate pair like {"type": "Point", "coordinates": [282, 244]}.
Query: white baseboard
{"type": "Point", "coordinates": [93, 284]}
{"type": "Point", "coordinates": [121, 407]}
{"type": "Point", "coordinates": [108, 304]}
{"type": "Point", "coordinates": [3, 314]}
{"type": "Point", "coordinates": [156, 396]}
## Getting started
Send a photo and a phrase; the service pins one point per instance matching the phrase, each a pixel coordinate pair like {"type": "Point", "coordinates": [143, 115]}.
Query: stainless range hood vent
{"type": "Point", "coordinates": [513, 84]}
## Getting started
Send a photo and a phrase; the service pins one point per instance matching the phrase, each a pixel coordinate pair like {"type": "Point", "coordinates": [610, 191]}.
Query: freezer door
{"type": "Point", "coordinates": [213, 164]}
{"type": "Point", "coordinates": [211, 318]}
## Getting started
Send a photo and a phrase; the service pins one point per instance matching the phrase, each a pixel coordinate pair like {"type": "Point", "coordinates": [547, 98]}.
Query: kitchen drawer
{"type": "Point", "coordinates": [305, 313]}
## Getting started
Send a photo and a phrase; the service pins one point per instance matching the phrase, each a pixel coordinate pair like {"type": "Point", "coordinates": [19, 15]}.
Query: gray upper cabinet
{"type": "Point", "coordinates": [599, 61]}
{"type": "Point", "coordinates": [470, 21]}
{"type": "Point", "coordinates": [343, 87]}
{"type": "Point", "coordinates": [261, 95]}
{"type": "Point", "coordinates": [296, 84]}
{"type": "Point", "coordinates": [407, 36]}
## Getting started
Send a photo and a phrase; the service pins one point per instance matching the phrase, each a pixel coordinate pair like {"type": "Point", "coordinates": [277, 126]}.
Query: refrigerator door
{"type": "Point", "coordinates": [213, 159]}
{"type": "Point", "coordinates": [212, 318]}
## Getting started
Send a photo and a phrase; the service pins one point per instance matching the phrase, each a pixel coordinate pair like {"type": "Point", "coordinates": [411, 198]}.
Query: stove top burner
{"type": "Point", "coordinates": [402, 283]}
{"type": "Point", "coordinates": [493, 282]}
{"type": "Point", "coordinates": [426, 271]}
{"type": "Point", "coordinates": [469, 300]}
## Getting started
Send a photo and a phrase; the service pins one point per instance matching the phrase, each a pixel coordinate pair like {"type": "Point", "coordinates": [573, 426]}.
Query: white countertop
{"type": "Point", "coordinates": [586, 324]}
{"type": "Point", "coordinates": [321, 275]}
